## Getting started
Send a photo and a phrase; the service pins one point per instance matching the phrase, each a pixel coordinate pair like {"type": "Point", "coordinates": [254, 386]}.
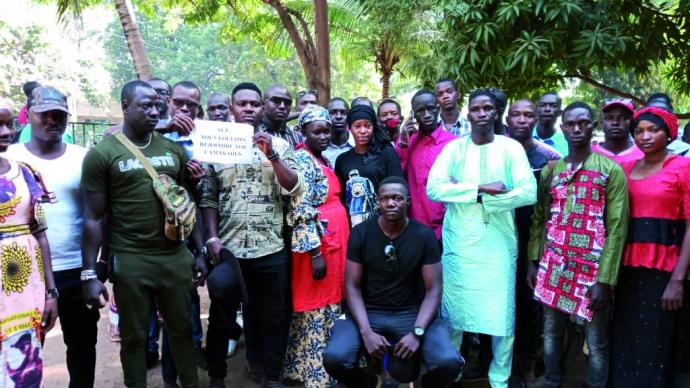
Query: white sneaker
{"type": "Point", "coordinates": [232, 347]}
{"type": "Point", "coordinates": [239, 319]}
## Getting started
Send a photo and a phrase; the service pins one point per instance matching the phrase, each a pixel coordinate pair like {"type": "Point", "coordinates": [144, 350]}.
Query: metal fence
{"type": "Point", "coordinates": [88, 134]}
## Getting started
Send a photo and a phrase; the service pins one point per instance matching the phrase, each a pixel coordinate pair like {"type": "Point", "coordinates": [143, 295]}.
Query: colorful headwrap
{"type": "Point", "coordinates": [6, 104]}
{"type": "Point", "coordinates": [658, 116]}
{"type": "Point", "coordinates": [313, 113]}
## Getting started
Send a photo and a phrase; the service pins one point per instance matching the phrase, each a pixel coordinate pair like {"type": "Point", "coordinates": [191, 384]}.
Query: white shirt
{"type": "Point", "coordinates": [65, 218]}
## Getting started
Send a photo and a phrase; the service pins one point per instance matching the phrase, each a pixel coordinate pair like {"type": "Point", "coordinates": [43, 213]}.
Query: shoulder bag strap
{"type": "Point", "coordinates": [137, 154]}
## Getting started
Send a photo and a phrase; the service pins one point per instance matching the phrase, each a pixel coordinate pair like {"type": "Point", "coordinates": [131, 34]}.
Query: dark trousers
{"type": "Point", "coordinates": [345, 348]}
{"type": "Point", "coordinates": [79, 328]}
{"type": "Point", "coordinates": [597, 335]}
{"type": "Point", "coordinates": [266, 316]}
{"type": "Point", "coordinates": [139, 280]}
{"type": "Point", "coordinates": [168, 369]}
{"type": "Point", "coordinates": [197, 329]}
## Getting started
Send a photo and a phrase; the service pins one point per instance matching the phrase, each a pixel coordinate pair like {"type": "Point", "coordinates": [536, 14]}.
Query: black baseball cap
{"type": "Point", "coordinates": [47, 98]}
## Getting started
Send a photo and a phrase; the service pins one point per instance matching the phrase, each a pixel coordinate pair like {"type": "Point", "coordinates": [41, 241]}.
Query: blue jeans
{"type": "Point", "coordinates": [597, 336]}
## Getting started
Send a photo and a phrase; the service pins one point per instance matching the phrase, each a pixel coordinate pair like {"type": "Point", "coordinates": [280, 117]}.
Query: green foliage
{"type": "Point", "coordinates": [180, 51]}
{"type": "Point", "coordinates": [357, 30]}
{"type": "Point", "coordinates": [29, 57]}
{"type": "Point", "coordinates": [527, 46]}
{"type": "Point", "coordinates": [629, 82]}
{"type": "Point", "coordinates": [188, 52]}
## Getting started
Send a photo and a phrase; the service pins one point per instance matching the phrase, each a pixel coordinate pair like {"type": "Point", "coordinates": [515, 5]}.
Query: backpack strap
{"type": "Point", "coordinates": [137, 154]}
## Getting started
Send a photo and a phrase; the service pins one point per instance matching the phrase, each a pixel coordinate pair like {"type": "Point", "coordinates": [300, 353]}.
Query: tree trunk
{"type": "Point", "coordinates": [323, 52]}
{"type": "Point", "coordinates": [386, 81]}
{"type": "Point", "coordinates": [386, 59]}
{"type": "Point", "coordinates": [306, 52]}
{"type": "Point", "coordinates": [135, 43]}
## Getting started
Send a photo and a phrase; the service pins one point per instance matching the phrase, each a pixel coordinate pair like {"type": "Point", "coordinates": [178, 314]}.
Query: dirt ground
{"type": "Point", "coordinates": [108, 368]}
{"type": "Point", "coordinates": [109, 371]}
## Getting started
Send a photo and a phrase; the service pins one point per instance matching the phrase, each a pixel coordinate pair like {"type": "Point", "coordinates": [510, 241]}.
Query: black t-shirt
{"type": "Point", "coordinates": [538, 158]}
{"type": "Point", "coordinates": [373, 167]}
{"type": "Point", "coordinates": [385, 284]}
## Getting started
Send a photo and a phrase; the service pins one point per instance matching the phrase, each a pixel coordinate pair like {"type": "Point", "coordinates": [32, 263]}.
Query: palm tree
{"type": "Point", "coordinates": [135, 43]}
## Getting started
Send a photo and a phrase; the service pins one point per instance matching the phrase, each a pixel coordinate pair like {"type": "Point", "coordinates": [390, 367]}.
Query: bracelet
{"type": "Point", "coordinates": [273, 156]}
{"type": "Point", "coordinates": [212, 240]}
{"type": "Point", "coordinates": [87, 275]}
{"type": "Point", "coordinates": [52, 293]}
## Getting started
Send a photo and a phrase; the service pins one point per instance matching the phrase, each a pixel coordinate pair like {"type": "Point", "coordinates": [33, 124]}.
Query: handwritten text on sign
{"type": "Point", "coordinates": [222, 142]}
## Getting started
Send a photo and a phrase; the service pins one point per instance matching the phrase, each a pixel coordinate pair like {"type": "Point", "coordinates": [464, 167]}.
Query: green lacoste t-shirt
{"type": "Point", "coordinates": [136, 216]}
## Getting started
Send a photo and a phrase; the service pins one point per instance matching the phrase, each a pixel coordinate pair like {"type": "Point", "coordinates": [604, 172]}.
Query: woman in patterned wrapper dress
{"type": "Point", "coordinates": [319, 241]}
{"type": "Point", "coordinates": [28, 305]}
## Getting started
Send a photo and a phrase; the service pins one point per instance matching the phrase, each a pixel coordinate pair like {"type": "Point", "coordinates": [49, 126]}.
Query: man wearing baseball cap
{"type": "Point", "coordinates": [60, 167]}
{"type": "Point", "coordinates": [47, 100]}
{"type": "Point", "coordinates": [615, 120]}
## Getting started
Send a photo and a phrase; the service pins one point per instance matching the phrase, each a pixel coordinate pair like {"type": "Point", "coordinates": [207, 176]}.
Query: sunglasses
{"type": "Point", "coordinates": [191, 105]}
{"type": "Point", "coordinates": [279, 100]}
{"type": "Point", "coordinates": [392, 260]}
{"type": "Point", "coordinates": [305, 92]}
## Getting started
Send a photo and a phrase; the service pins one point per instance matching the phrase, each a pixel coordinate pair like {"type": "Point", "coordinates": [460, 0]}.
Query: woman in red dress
{"type": "Point", "coordinates": [319, 244]}
{"type": "Point", "coordinates": [656, 257]}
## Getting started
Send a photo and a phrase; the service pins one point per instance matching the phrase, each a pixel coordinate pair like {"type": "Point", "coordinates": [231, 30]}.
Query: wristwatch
{"type": "Point", "coordinates": [52, 293]}
{"type": "Point", "coordinates": [418, 331]}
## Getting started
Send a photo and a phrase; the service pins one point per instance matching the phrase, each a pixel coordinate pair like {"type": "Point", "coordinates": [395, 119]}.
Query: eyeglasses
{"type": "Point", "coordinates": [191, 105]}
{"type": "Point", "coordinates": [303, 93]}
{"type": "Point", "coordinates": [392, 260]}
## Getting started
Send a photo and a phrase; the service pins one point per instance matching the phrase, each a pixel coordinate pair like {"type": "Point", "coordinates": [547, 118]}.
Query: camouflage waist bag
{"type": "Point", "coordinates": [180, 210]}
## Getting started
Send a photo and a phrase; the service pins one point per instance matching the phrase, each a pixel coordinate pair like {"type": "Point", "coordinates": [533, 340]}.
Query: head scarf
{"type": "Point", "coordinates": [379, 138]}
{"type": "Point", "coordinates": [359, 112]}
{"type": "Point", "coordinates": [5, 103]}
{"type": "Point", "coordinates": [313, 113]}
{"type": "Point", "coordinates": [663, 118]}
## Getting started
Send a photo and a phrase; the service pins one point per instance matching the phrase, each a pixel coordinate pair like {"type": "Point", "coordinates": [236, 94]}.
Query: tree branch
{"type": "Point", "coordinates": [608, 89]}
{"type": "Point", "coordinates": [305, 31]}
{"type": "Point", "coordinates": [669, 17]}
{"type": "Point", "coordinates": [305, 53]}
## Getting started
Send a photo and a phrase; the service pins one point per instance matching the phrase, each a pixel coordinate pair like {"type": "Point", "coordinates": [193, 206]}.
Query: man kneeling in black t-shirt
{"type": "Point", "coordinates": [393, 284]}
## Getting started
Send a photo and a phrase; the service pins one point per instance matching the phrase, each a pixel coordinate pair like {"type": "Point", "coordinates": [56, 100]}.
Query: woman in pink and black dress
{"type": "Point", "coordinates": [655, 262]}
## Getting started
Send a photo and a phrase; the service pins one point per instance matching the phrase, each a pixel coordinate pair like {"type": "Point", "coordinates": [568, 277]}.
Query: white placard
{"type": "Point", "coordinates": [222, 142]}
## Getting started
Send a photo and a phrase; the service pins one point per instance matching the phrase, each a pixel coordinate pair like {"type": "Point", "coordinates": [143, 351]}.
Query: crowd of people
{"type": "Point", "coordinates": [356, 243]}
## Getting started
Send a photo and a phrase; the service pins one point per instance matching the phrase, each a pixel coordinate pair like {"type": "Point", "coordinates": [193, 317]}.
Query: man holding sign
{"type": "Point", "coordinates": [243, 212]}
